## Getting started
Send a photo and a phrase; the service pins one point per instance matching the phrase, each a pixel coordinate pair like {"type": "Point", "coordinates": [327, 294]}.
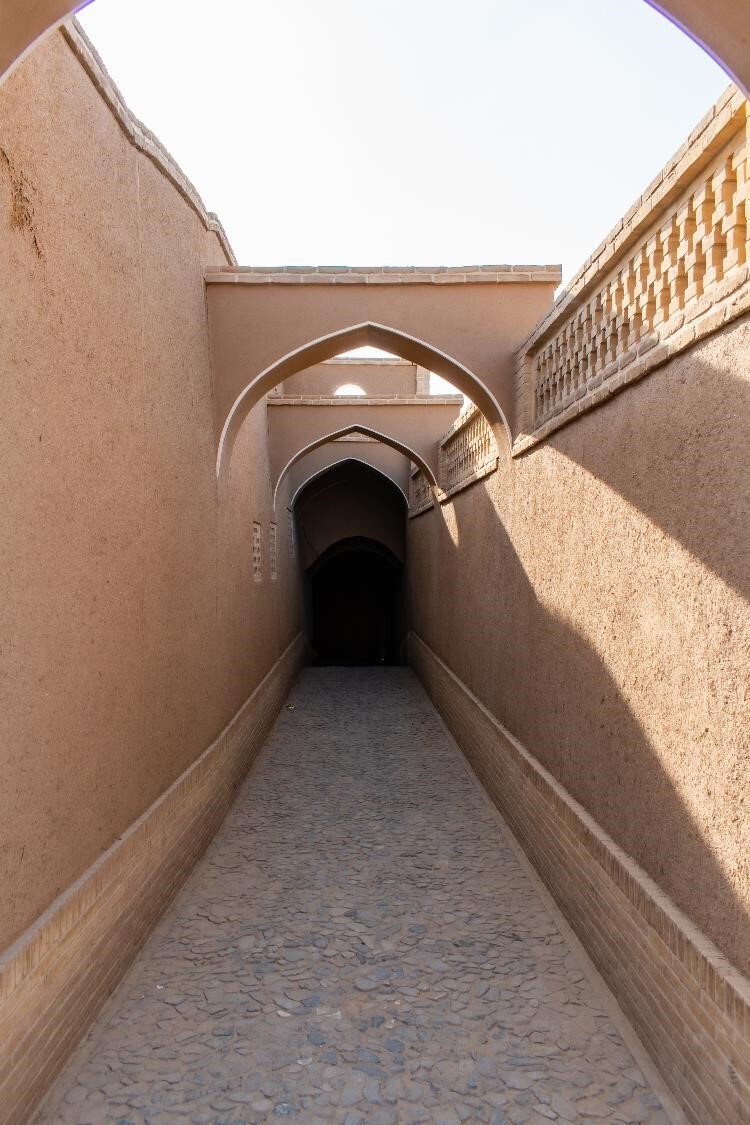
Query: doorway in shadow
{"type": "Point", "coordinates": [356, 595]}
{"type": "Point", "coordinates": [350, 522]}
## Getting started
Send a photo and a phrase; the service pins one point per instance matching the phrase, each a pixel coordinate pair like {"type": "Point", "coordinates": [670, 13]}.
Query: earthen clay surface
{"type": "Point", "coordinates": [360, 944]}
{"type": "Point", "coordinates": [593, 594]}
{"type": "Point", "coordinates": [132, 629]}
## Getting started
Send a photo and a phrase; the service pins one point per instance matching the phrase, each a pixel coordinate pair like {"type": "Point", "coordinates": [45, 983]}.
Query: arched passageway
{"type": "Point", "coordinates": [351, 531]}
{"type": "Point", "coordinates": [356, 604]}
{"type": "Point", "coordinates": [462, 326]}
{"type": "Point", "coordinates": [197, 629]}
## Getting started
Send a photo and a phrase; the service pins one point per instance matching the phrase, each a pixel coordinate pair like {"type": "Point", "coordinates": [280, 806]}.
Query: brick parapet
{"type": "Point", "coordinates": [688, 1004]}
{"type": "Point", "coordinates": [728, 301]}
{"type": "Point", "coordinates": [709, 136]}
{"type": "Point", "coordinates": [56, 977]}
{"type": "Point", "coordinates": [672, 271]}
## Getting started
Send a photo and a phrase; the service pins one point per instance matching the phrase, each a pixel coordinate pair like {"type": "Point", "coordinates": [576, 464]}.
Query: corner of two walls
{"type": "Point", "coordinates": [137, 630]}
{"type": "Point", "coordinates": [580, 619]}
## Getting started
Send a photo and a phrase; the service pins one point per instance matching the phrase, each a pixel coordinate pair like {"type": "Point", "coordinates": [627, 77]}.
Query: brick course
{"type": "Point", "coordinates": [56, 977]}
{"type": "Point", "coordinates": [689, 1006]}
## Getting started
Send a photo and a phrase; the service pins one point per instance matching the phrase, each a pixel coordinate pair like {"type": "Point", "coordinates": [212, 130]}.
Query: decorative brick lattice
{"type": "Point", "coordinates": [257, 553]}
{"type": "Point", "coordinates": [420, 493]}
{"type": "Point", "coordinates": [680, 253]}
{"type": "Point", "coordinates": [273, 551]}
{"type": "Point", "coordinates": [468, 449]}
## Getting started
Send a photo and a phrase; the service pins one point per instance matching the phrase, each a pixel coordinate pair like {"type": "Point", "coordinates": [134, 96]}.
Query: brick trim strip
{"type": "Point", "coordinates": [364, 400]}
{"type": "Point", "coordinates": [381, 275]}
{"type": "Point", "coordinates": [55, 978]}
{"type": "Point", "coordinates": [687, 1003]}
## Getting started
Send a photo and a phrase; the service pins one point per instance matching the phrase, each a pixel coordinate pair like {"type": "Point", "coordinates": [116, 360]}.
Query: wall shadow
{"type": "Point", "coordinates": [681, 456]}
{"type": "Point", "coordinates": [548, 685]}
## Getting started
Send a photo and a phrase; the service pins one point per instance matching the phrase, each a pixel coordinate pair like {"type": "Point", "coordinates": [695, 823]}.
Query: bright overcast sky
{"type": "Point", "coordinates": [409, 132]}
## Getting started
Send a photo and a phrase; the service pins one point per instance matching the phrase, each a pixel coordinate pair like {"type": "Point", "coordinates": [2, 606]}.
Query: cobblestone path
{"type": "Point", "coordinates": [359, 944]}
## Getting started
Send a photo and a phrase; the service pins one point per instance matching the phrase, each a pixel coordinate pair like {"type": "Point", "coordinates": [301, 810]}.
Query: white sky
{"type": "Point", "coordinates": [409, 132]}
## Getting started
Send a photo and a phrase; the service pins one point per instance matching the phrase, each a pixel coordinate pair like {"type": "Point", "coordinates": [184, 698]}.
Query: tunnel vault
{"type": "Point", "coordinates": [351, 531]}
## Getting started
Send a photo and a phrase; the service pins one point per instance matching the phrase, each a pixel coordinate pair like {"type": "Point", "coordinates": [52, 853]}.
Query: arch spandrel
{"type": "Point", "coordinates": [384, 459]}
{"type": "Point", "coordinates": [336, 464]}
{"type": "Point", "coordinates": [334, 435]}
{"type": "Point", "coordinates": [233, 347]}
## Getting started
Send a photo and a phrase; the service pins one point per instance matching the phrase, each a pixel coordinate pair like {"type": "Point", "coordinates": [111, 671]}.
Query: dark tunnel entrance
{"type": "Point", "coordinates": [351, 527]}
{"type": "Point", "coordinates": [356, 604]}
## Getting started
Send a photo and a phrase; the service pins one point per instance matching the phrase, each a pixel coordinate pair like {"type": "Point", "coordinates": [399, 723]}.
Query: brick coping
{"type": "Point", "coordinates": [708, 137]}
{"type": "Point", "coordinates": [364, 400]}
{"type": "Point", "coordinates": [720, 979]}
{"type": "Point", "coordinates": [64, 912]}
{"type": "Point", "coordinates": [382, 275]}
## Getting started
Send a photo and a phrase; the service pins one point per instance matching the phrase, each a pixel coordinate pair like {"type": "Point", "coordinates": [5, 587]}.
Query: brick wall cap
{"type": "Point", "coordinates": [392, 275]}
{"type": "Point", "coordinates": [722, 121]}
{"type": "Point", "coordinates": [365, 400]}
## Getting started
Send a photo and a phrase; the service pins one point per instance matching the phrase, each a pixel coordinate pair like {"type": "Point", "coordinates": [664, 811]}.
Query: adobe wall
{"type": "Point", "coordinates": [377, 376]}
{"type": "Point", "coordinates": [592, 594]}
{"type": "Point", "coordinates": [126, 659]}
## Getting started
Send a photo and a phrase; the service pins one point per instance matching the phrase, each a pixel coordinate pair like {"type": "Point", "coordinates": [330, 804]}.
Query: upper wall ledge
{"type": "Point", "coordinates": [382, 275]}
{"type": "Point", "coordinates": [137, 133]}
{"type": "Point", "coordinates": [364, 400]}
{"type": "Point", "coordinates": [706, 139]}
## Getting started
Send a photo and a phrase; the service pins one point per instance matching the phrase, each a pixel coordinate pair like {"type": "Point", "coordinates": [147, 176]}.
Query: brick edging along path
{"type": "Point", "coordinates": [359, 944]}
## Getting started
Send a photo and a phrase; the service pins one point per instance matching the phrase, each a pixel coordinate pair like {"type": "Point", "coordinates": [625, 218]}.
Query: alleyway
{"type": "Point", "coordinates": [359, 944]}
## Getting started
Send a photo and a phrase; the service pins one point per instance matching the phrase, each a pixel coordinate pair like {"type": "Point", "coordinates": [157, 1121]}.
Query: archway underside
{"type": "Point", "coordinates": [383, 459]}
{"type": "Point", "coordinates": [719, 26]}
{"type": "Point", "coordinates": [329, 440]}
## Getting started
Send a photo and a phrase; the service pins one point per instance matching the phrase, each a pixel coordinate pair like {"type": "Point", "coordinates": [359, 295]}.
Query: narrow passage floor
{"type": "Point", "coordinates": [359, 944]}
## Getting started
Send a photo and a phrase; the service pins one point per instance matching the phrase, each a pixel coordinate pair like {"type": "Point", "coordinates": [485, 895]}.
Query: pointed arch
{"type": "Point", "coordinates": [325, 347]}
{"type": "Point", "coordinates": [356, 428]}
{"type": "Point", "coordinates": [335, 465]}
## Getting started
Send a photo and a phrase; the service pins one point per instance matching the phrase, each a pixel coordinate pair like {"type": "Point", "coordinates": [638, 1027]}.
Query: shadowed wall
{"type": "Point", "coordinates": [591, 593]}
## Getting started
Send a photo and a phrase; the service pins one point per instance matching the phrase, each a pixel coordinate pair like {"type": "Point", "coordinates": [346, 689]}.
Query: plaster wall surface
{"type": "Point", "coordinates": [376, 376]}
{"type": "Point", "coordinates": [132, 627]}
{"type": "Point", "coordinates": [475, 320]}
{"type": "Point", "coordinates": [593, 595]}
{"type": "Point", "coordinates": [414, 424]}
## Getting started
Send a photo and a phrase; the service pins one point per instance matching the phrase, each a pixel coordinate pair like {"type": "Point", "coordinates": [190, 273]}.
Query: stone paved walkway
{"type": "Point", "coordinates": [359, 944]}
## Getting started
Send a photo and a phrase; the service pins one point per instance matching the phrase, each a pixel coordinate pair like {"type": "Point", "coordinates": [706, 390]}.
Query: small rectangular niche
{"type": "Point", "coordinates": [273, 551]}
{"type": "Point", "coordinates": [257, 552]}
{"type": "Point", "coordinates": [291, 535]}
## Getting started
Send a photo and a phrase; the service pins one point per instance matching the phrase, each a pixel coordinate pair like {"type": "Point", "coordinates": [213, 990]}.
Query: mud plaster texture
{"type": "Point", "coordinates": [126, 657]}
{"type": "Point", "coordinates": [593, 594]}
{"type": "Point", "coordinates": [359, 944]}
